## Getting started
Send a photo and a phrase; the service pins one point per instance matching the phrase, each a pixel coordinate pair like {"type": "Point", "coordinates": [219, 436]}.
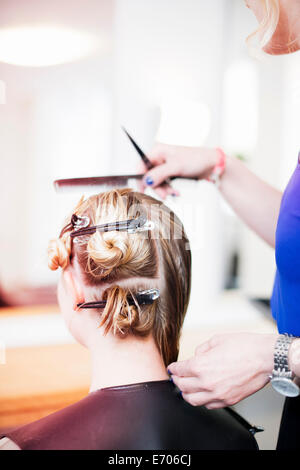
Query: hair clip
{"type": "Point", "coordinates": [139, 224]}
{"type": "Point", "coordinates": [76, 223]}
{"type": "Point", "coordinates": [79, 222]}
{"type": "Point", "coordinates": [145, 297]}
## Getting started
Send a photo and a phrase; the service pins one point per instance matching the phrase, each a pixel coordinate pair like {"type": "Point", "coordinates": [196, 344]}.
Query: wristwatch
{"type": "Point", "coordinates": [282, 376]}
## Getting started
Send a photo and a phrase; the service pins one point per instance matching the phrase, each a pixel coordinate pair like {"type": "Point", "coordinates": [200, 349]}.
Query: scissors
{"type": "Point", "coordinates": [111, 181]}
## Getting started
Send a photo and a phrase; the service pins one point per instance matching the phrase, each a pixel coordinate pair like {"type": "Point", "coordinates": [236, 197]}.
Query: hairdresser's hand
{"type": "Point", "coordinates": [225, 369]}
{"type": "Point", "coordinates": [170, 160]}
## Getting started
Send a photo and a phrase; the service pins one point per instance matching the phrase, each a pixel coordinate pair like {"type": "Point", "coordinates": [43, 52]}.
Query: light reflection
{"type": "Point", "coordinates": [41, 46]}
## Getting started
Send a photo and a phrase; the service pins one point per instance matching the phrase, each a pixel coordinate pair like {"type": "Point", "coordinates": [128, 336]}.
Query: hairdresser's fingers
{"type": "Point", "coordinates": [214, 405]}
{"type": "Point", "coordinates": [140, 186]}
{"type": "Point", "coordinates": [158, 175]}
{"type": "Point", "coordinates": [185, 368]}
{"type": "Point", "coordinates": [142, 169]}
{"type": "Point", "coordinates": [166, 190]}
{"type": "Point", "coordinates": [162, 192]}
{"type": "Point", "coordinates": [187, 384]}
{"type": "Point", "coordinates": [204, 347]}
{"type": "Point", "coordinates": [198, 399]}
{"type": "Point", "coordinates": [193, 366]}
{"type": "Point", "coordinates": [154, 159]}
{"type": "Point", "coordinates": [172, 191]}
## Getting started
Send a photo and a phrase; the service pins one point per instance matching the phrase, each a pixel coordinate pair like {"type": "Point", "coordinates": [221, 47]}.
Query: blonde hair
{"type": "Point", "coordinates": [123, 263]}
{"type": "Point", "coordinates": [267, 26]}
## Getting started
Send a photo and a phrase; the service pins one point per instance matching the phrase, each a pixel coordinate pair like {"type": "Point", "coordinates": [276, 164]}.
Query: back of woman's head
{"type": "Point", "coordinates": [116, 265]}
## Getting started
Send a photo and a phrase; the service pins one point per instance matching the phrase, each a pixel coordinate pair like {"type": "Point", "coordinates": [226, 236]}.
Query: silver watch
{"type": "Point", "coordinates": [282, 376]}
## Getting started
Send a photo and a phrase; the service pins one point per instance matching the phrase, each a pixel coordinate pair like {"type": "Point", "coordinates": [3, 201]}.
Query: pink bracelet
{"type": "Point", "coordinates": [218, 169]}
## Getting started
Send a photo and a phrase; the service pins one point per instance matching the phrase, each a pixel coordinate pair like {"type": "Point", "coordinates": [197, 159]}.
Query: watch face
{"type": "Point", "coordinates": [285, 386]}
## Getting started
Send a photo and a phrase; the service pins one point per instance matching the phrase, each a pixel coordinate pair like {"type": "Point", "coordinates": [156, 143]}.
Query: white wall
{"type": "Point", "coordinates": [56, 123]}
{"type": "Point", "coordinates": [14, 208]}
{"type": "Point", "coordinates": [162, 53]}
{"type": "Point", "coordinates": [162, 56]}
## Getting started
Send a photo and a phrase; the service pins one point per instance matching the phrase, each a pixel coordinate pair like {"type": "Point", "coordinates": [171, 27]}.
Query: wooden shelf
{"type": "Point", "coordinates": [28, 310]}
{"type": "Point", "coordinates": [36, 381]}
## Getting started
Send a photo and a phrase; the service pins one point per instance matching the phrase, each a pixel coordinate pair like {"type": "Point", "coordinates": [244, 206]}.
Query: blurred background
{"type": "Point", "coordinates": [71, 73]}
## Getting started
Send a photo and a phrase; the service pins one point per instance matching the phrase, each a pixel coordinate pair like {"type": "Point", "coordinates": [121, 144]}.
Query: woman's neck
{"type": "Point", "coordinates": [117, 361]}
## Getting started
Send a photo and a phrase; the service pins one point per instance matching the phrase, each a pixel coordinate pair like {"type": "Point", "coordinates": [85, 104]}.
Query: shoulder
{"type": "Point", "coordinates": [67, 428]}
{"type": "Point", "coordinates": [217, 429]}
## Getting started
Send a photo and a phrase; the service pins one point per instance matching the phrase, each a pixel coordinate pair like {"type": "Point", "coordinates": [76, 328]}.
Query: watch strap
{"type": "Point", "coordinates": [281, 364]}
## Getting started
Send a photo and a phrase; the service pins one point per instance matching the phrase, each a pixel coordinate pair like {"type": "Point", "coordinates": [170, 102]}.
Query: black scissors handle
{"type": "Point", "coordinates": [143, 156]}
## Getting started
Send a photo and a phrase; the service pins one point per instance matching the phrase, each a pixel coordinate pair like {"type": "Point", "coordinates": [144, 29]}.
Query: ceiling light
{"type": "Point", "coordinates": [41, 46]}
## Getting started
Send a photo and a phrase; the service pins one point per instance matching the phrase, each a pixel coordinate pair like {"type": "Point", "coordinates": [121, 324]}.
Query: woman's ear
{"type": "Point", "coordinates": [74, 287]}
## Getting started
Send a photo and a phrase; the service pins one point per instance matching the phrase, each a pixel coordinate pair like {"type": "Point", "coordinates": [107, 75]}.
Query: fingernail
{"type": "Point", "coordinates": [173, 194]}
{"type": "Point", "coordinates": [149, 180]}
{"type": "Point", "coordinates": [169, 372]}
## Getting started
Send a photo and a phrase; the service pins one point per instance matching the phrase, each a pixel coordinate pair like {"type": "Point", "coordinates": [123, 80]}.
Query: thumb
{"type": "Point", "coordinates": [157, 175]}
{"type": "Point", "coordinates": [182, 368]}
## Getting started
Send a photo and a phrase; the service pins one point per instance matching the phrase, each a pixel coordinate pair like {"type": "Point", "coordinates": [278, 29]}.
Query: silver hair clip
{"type": "Point", "coordinates": [140, 224]}
{"type": "Point", "coordinates": [144, 297]}
{"type": "Point", "coordinates": [147, 296]}
{"type": "Point", "coordinates": [79, 222]}
{"type": "Point", "coordinates": [137, 227]}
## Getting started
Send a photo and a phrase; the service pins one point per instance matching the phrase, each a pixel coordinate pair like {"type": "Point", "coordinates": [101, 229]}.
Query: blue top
{"type": "Point", "coordinates": [285, 301]}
